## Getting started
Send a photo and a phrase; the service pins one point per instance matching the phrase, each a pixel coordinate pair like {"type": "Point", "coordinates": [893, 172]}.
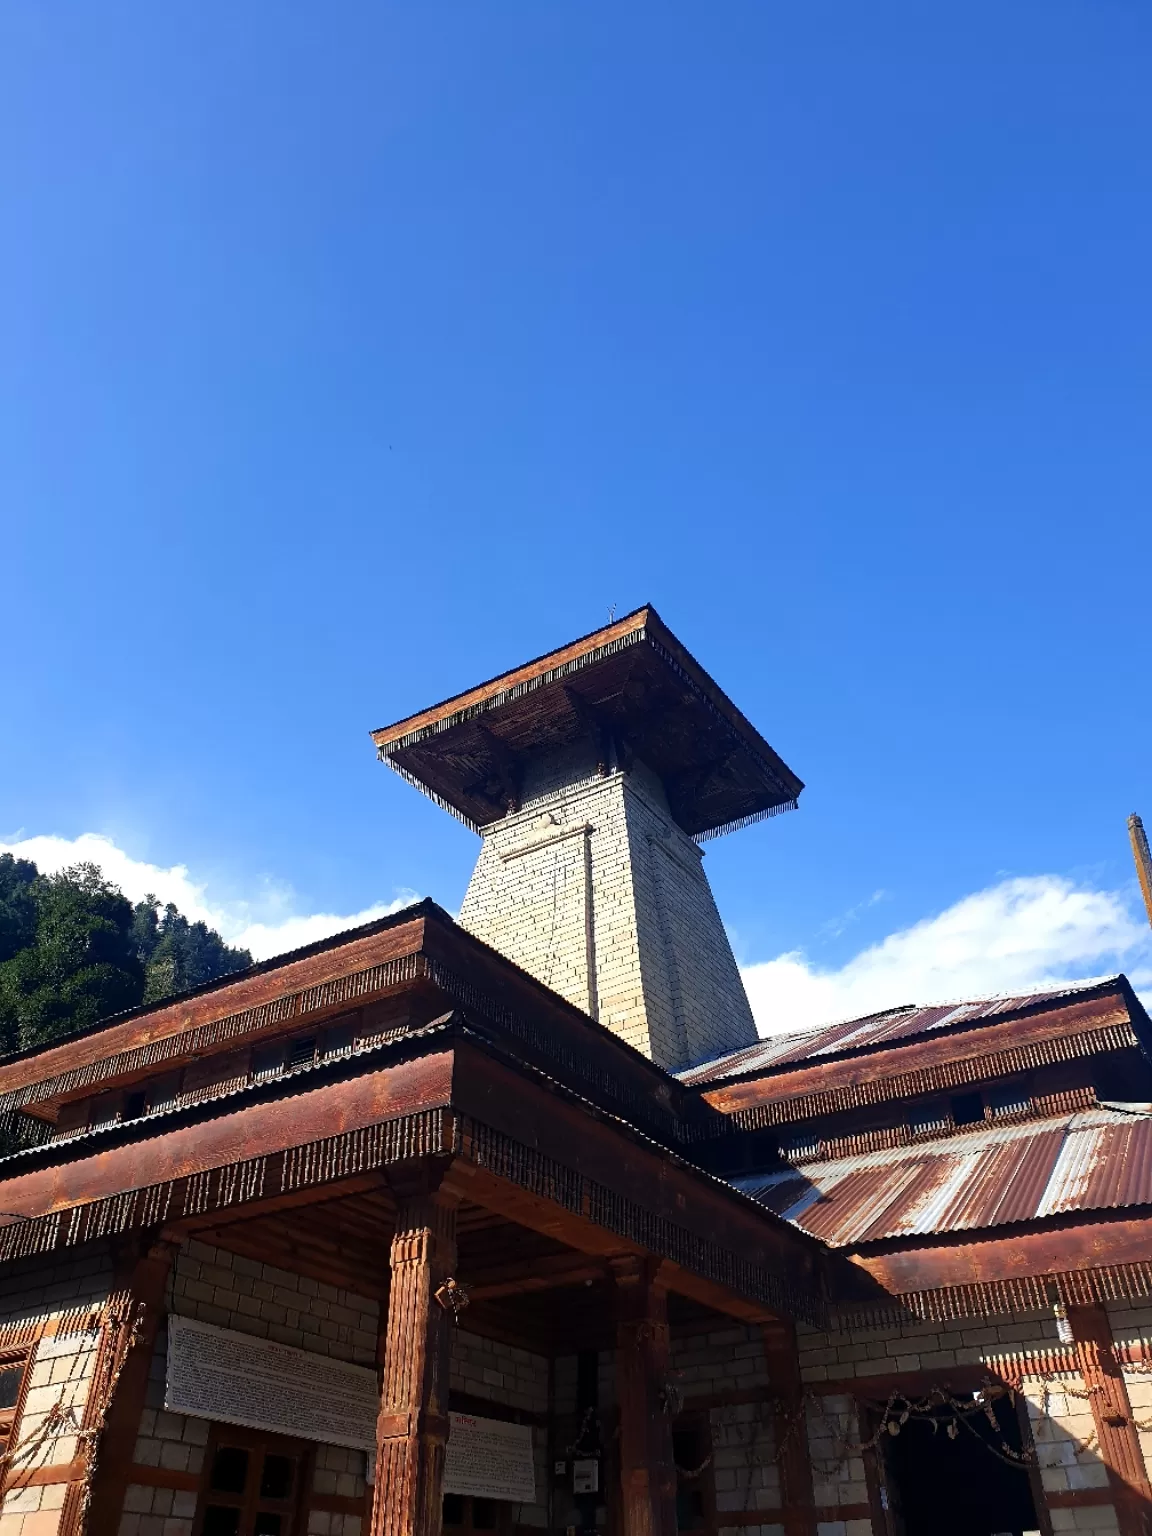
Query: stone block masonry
{"type": "Point", "coordinates": [502, 1374]}
{"type": "Point", "coordinates": [59, 1372]}
{"type": "Point", "coordinates": [217, 1287]}
{"type": "Point", "coordinates": [233, 1292]}
{"type": "Point", "coordinates": [1017, 1347]}
{"type": "Point", "coordinates": [593, 889]}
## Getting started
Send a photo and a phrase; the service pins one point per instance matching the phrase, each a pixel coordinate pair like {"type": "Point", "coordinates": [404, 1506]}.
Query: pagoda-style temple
{"type": "Point", "coordinates": [513, 1224]}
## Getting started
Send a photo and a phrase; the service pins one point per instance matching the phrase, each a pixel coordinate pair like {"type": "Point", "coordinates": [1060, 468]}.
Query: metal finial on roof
{"type": "Point", "coordinates": [1143, 859]}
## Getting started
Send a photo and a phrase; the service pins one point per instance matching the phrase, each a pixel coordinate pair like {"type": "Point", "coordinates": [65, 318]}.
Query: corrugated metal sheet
{"type": "Point", "coordinates": [1095, 1159]}
{"type": "Point", "coordinates": [898, 1024]}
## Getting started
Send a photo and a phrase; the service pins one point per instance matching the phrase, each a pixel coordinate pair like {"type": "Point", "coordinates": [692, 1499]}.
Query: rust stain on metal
{"type": "Point", "coordinates": [813, 1047]}
{"type": "Point", "coordinates": [1095, 1159]}
{"type": "Point", "coordinates": [256, 1129]}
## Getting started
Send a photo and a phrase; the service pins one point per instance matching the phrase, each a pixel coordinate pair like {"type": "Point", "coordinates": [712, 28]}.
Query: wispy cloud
{"type": "Point", "coordinates": [1021, 933]}
{"type": "Point", "coordinates": [835, 926]}
{"type": "Point", "coordinates": [268, 923]}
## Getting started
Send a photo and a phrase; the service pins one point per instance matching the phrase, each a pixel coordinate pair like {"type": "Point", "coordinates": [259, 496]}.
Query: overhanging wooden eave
{"type": "Point", "coordinates": [631, 683]}
{"type": "Point", "coordinates": [1091, 1256]}
{"type": "Point", "coordinates": [937, 1064]}
{"type": "Point", "coordinates": [128, 1045]}
{"type": "Point", "coordinates": [421, 952]}
{"type": "Point", "coordinates": [526, 676]}
{"type": "Point", "coordinates": [602, 1186]}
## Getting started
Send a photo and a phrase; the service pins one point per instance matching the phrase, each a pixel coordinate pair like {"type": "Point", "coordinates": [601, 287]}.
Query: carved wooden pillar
{"type": "Point", "coordinates": [1112, 1412]}
{"type": "Point", "coordinates": [798, 1512]}
{"type": "Point", "coordinates": [647, 1467]}
{"type": "Point", "coordinates": [412, 1428]}
{"type": "Point", "coordinates": [119, 1385]}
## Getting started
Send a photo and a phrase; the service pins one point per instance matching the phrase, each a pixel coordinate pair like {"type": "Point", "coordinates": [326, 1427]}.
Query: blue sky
{"type": "Point", "coordinates": [354, 353]}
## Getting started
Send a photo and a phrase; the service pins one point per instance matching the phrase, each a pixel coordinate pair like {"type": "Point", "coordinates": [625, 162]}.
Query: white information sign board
{"type": "Point", "coordinates": [214, 1373]}
{"type": "Point", "coordinates": [489, 1459]}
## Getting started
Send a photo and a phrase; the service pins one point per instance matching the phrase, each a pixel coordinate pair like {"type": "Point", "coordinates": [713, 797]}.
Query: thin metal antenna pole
{"type": "Point", "coordinates": [1143, 860]}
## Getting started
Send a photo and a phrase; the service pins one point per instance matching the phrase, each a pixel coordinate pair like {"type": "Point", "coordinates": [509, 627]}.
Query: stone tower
{"type": "Point", "coordinates": [591, 775]}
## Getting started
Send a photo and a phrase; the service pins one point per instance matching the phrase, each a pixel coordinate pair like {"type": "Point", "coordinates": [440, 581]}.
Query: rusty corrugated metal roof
{"type": "Point", "coordinates": [1095, 1159]}
{"type": "Point", "coordinates": [803, 1047]}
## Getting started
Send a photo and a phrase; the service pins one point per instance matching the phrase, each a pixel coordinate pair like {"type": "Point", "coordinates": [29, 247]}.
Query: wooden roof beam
{"type": "Point", "coordinates": [532, 1274]}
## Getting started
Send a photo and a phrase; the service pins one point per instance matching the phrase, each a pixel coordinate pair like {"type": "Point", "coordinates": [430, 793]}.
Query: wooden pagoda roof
{"type": "Point", "coordinates": [634, 691]}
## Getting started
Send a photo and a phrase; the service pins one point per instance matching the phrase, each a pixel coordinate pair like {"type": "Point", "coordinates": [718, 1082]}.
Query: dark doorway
{"type": "Point", "coordinates": [465, 1515]}
{"type": "Point", "coordinates": [692, 1454]}
{"type": "Point", "coordinates": [940, 1484]}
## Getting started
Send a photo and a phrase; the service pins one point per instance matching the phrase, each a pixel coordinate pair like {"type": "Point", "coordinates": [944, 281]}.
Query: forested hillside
{"type": "Point", "coordinates": [74, 949]}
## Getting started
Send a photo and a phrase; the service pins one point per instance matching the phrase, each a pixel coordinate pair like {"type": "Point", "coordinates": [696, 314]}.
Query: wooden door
{"type": "Point", "coordinates": [253, 1484]}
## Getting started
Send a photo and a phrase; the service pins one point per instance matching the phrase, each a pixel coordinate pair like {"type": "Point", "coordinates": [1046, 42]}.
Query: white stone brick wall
{"type": "Point", "coordinates": [215, 1286]}
{"type": "Point", "coordinates": [499, 1372]}
{"type": "Point", "coordinates": [321, 1523]}
{"type": "Point", "coordinates": [1064, 1432]}
{"type": "Point", "coordinates": [60, 1371]}
{"type": "Point", "coordinates": [33, 1510]}
{"type": "Point", "coordinates": [1059, 1411]}
{"type": "Point", "coordinates": [33, 1288]}
{"type": "Point", "coordinates": [837, 1473]}
{"type": "Point", "coordinates": [745, 1475]}
{"type": "Point", "coordinates": [1131, 1323]}
{"type": "Point", "coordinates": [1100, 1519]}
{"type": "Point", "coordinates": [664, 975]}
{"type": "Point", "coordinates": [516, 1378]}
{"type": "Point", "coordinates": [695, 995]}
{"type": "Point", "coordinates": [730, 1360]}
{"type": "Point", "coordinates": [230, 1291]}
{"type": "Point", "coordinates": [921, 1346]}
{"type": "Point", "coordinates": [744, 1470]}
{"type": "Point", "coordinates": [1139, 1384]}
{"type": "Point", "coordinates": [157, 1511]}
{"type": "Point", "coordinates": [178, 1441]}
{"type": "Point", "coordinates": [727, 1360]}
{"type": "Point", "coordinates": [340, 1471]}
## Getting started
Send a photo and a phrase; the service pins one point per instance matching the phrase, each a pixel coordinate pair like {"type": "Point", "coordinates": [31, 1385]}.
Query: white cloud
{"type": "Point", "coordinates": [1023, 933]}
{"type": "Point", "coordinates": [266, 924]}
{"type": "Point", "coordinates": [265, 939]}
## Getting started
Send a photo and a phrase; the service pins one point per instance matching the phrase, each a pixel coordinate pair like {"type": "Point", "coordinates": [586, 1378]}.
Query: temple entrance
{"type": "Point", "coordinates": [961, 1484]}
{"type": "Point", "coordinates": [253, 1484]}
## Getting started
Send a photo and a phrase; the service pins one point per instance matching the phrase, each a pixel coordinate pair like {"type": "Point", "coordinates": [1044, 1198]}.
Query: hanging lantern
{"type": "Point", "coordinates": [1063, 1326]}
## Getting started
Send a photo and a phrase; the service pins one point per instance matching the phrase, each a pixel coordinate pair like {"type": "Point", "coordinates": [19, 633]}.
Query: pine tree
{"type": "Point", "coordinates": [179, 955]}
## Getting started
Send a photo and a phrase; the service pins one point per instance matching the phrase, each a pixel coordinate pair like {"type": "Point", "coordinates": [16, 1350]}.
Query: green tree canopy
{"type": "Point", "coordinates": [73, 950]}
{"type": "Point", "coordinates": [17, 905]}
